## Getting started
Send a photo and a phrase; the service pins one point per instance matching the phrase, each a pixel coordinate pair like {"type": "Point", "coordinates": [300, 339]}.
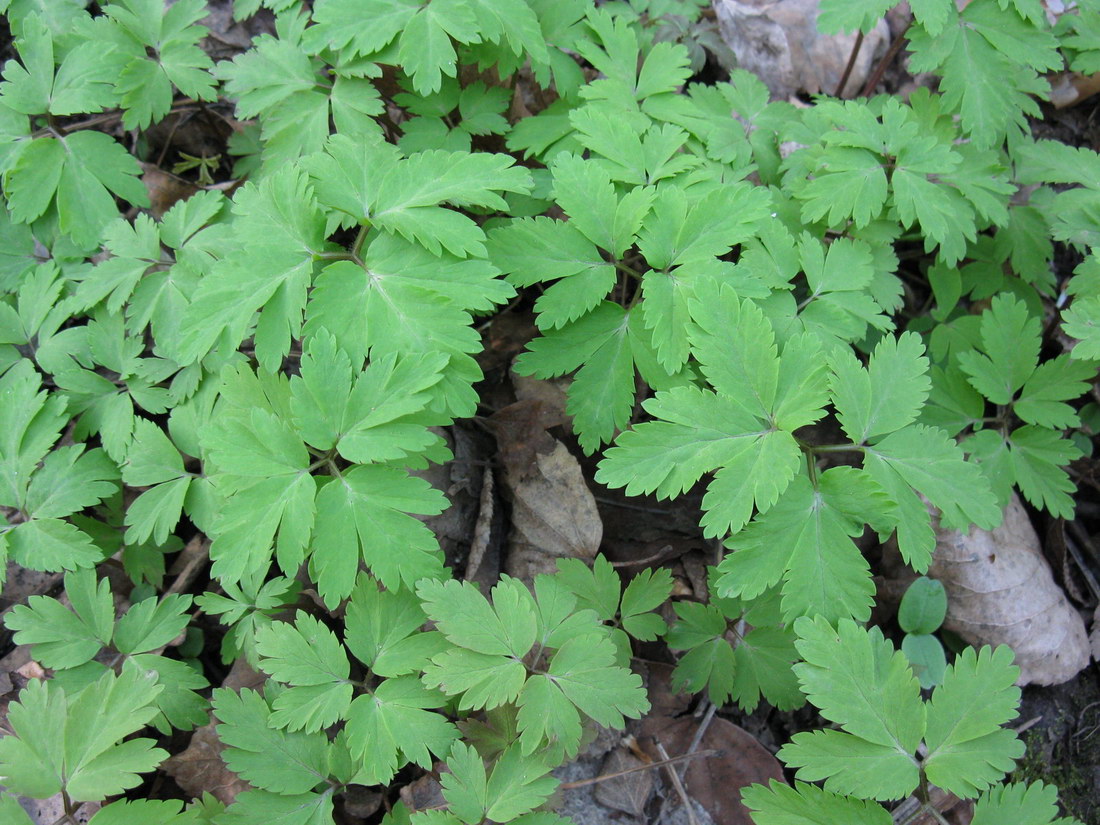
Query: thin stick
{"type": "Point", "coordinates": [648, 559]}
{"type": "Point", "coordinates": [581, 783]}
{"type": "Point", "coordinates": [888, 58]}
{"type": "Point", "coordinates": [851, 64]}
{"type": "Point", "coordinates": [1082, 536]}
{"type": "Point", "coordinates": [679, 786]}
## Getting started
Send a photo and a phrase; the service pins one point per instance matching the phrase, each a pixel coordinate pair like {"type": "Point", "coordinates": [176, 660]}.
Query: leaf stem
{"type": "Point", "coordinates": [887, 59]}
{"type": "Point", "coordinates": [851, 64]}
{"type": "Point", "coordinates": [360, 239]}
{"type": "Point", "coordinates": [835, 448]}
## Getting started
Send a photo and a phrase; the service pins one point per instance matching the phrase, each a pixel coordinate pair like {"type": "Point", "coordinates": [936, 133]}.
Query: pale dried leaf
{"type": "Point", "coordinates": [1000, 590]}
{"type": "Point", "coordinates": [1094, 637]}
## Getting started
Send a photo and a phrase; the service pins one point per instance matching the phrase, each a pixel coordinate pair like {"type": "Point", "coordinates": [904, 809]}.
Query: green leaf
{"type": "Point", "coordinates": [859, 681]}
{"type": "Point", "coordinates": [152, 460]}
{"type": "Point", "coordinates": [585, 192]}
{"type": "Point", "coordinates": [983, 47]}
{"type": "Point", "coordinates": [369, 183]}
{"type": "Point", "coordinates": [668, 456]}
{"type": "Point", "coordinates": [597, 587]}
{"type": "Point", "coordinates": [70, 480]}
{"type": "Point", "coordinates": [923, 606]}
{"type": "Point", "coordinates": [805, 541]}
{"type": "Point", "coordinates": [367, 415]}
{"type": "Point", "coordinates": [507, 627]}
{"type": "Point", "coordinates": [1082, 321]}
{"type": "Point", "coordinates": [82, 84]}
{"type": "Point", "coordinates": [537, 250]}
{"type": "Point", "coordinates": [968, 750]}
{"type": "Point", "coordinates": [382, 310]}
{"type": "Point", "coordinates": [1038, 456]}
{"type": "Point", "coordinates": [483, 680]}
{"type": "Point", "coordinates": [1054, 382]}
{"type": "Point", "coordinates": [709, 662]}
{"type": "Point", "coordinates": [264, 808]}
{"type": "Point", "coordinates": [851, 184]}
{"type": "Point", "coordinates": [282, 229]}
{"type": "Point", "coordinates": [64, 638]}
{"type": "Point", "coordinates": [1034, 804]}
{"type": "Point", "coordinates": [152, 623]}
{"type": "Point", "coordinates": [805, 804]}
{"type": "Point", "coordinates": [30, 422]}
{"type": "Point", "coordinates": [547, 720]}
{"type": "Point", "coordinates": [78, 173]}
{"type": "Point", "coordinates": [681, 228]}
{"type": "Point", "coordinates": [864, 15]}
{"type": "Point", "coordinates": [383, 630]}
{"type": "Point", "coordinates": [12, 811]}
{"type": "Point", "coordinates": [51, 544]}
{"type": "Point", "coordinates": [885, 396]}
{"type": "Point", "coordinates": [279, 761]}
{"type": "Point", "coordinates": [517, 785]}
{"type": "Point", "coordinates": [260, 454]}
{"type": "Point", "coordinates": [395, 720]}
{"type": "Point", "coordinates": [308, 656]}
{"type": "Point", "coordinates": [646, 591]}
{"type": "Point", "coordinates": [602, 393]}
{"type": "Point", "coordinates": [464, 786]}
{"type": "Point", "coordinates": [735, 346]}
{"type": "Point", "coordinates": [146, 81]}
{"type": "Point", "coordinates": [583, 668]}
{"type": "Point", "coordinates": [1010, 338]}
{"type": "Point", "coordinates": [425, 49]}
{"type": "Point", "coordinates": [140, 811]}
{"type": "Point", "coordinates": [365, 514]}
{"type": "Point", "coordinates": [851, 765]}
{"type": "Point", "coordinates": [926, 459]}
{"type": "Point", "coordinates": [927, 658]}
{"type": "Point", "coordinates": [69, 743]}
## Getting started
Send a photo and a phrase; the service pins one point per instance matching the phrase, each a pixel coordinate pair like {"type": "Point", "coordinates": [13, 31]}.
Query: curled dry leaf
{"type": "Point", "coordinates": [1000, 590]}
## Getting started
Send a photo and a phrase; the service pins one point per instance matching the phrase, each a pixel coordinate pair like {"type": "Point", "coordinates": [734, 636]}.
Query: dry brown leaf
{"type": "Point", "coordinates": [199, 767]}
{"type": "Point", "coordinates": [778, 41]}
{"type": "Point", "coordinates": [1000, 590]}
{"type": "Point", "coordinates": [714, 781]}
{"type": "Point", "coordinates": [629, 792]}
{"type": "Point", "coordinates": [164, 188]}
{"type": "Point", "coordinates": [554, 514]}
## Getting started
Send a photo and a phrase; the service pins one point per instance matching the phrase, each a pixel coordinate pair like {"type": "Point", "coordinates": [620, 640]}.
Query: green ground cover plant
{"type": "Point", "coordinates": [720, 275]}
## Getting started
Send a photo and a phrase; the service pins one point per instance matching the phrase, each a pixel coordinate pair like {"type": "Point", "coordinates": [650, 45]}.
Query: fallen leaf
{"type": "Point", "coordinates": [1094, 637]}
{"type": "Point", "coordinates": [1000, 590]}
{"type": "Point", "coordinates": [165, 189]}
{"type": "Point", "coordinates": [199, 767]}
{"type": "Point", "coordinates": [629, 792]}
{"type": "Point", "coordinates": [52, 810]}
{"type": "Point", "coordinates": [713, 781]}
{"type": "Point", "coordinates": [554, 513]}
